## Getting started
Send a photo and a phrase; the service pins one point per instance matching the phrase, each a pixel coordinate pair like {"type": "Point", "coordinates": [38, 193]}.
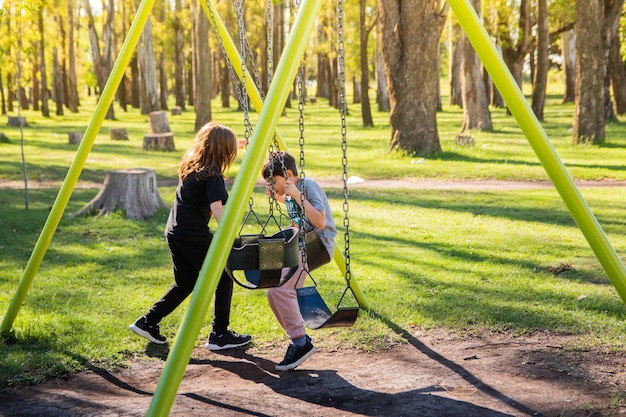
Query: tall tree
{"type": "Point", "coordinates": [475, 105]}
{"type": "Point", "coordinates": [102, 60]}
{"type": "Point", "coordinates": [365, 30]}
{"type": "Point", "coordinates": [148, 87]}
{"type": "Point", "coordinates": [589, 115]}
{"type": "Point", "coordinates": [618, 75]}
{"type": "Point", "coordinates": [412, 71]}
{"type": "Point", "coordinates": [540, 81]}
{"type": "Point", "coordinates": [179, 56]}
{"type": "Point", "coordinates": [202, 55]}
{"type": "Point", "coordinates": [455, 50]}
{"type": "Point", "coordinates": [382, 93]}
{"type": "Point", "coordinates": [512, 26]}
{"type": "Point", "coordinates": [72, 88]}
{"type": "Point", "coordinates": [568, 45]}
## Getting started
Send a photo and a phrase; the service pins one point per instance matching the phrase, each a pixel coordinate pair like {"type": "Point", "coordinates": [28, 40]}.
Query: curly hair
{"type": "Point", "coordinates": [213, 150]}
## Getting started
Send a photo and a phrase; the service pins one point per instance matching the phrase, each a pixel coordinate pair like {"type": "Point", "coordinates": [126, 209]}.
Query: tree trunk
{"type": "Point", "coordinates": [225, 80]}
{"type": "Point", "coordinates": [366, 110]}
{"type": "Point", "coordinates": [589, 113]}
{"type": "Point", "coordinates": [618, 75]}
{"type": "Point", "coordinates": [134, 191]}
{"type": "Point", "coordinates": [36, 87]}
{"type": "Point", "coordinates": [475, 106]}
{"type": "Point", "coordinates": [179, 57]}
{"type": "Point", "coordinates": [356, 91]}
{"type": "Point", "coordinates": [322, 76]}
{"type": "Point", "coordinates": [515, 47]}
{"type": "Point", "coordinates": [568, 42]}
{"type": "Point", "coordinates": [72, 89]}
{"type": "Point", "coordinates": [134, 82]}
{"type": "Point", "coordinates": [148, 93]}
{"type": "Point", "coordinates": [203, 69]}
{"type": "Point", "coordinates": [412, 72]}
{"type": "Point", "coordinates": [163, 83]}
{"type": "Point", "coordinates": [102, 62]}
{"type": "Point", "coordinates": [57, 79]}
{"type": "Point", "coordinates": [540, 81]}
{"type": "Point", "coordinates": [455, 45]}
{"type": "Point", "coordinates": [2, 97]}
{"type": "Point", "coordinates": [382, 94]}
{"type": "Point", "coordinates": [612, 12]}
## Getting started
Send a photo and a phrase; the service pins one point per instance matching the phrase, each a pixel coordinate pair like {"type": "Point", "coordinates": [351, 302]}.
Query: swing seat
{"type": "Point", "coordinates": [316, 313]}
{"type": "Point", "coordinates": [316, 252]}
{"type": "Point", "coordinates": [263, 258]}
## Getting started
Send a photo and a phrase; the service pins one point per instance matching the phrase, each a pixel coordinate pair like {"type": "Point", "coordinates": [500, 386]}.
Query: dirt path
{"type": "Point", "coordinates": [434, 374]}
{"type": "Point", "coordinates": [356, 182]}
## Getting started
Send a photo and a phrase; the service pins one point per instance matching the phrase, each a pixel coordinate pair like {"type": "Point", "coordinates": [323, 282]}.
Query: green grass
{"type": "Point", "coordinates": [465, 260]}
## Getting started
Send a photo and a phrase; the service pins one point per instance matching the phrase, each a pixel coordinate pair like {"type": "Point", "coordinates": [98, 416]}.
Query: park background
{"type": "Point", "coordinates": [465, 259]}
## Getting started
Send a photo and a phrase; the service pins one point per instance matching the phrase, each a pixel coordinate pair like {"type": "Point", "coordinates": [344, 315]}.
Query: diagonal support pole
{"type": "Point", "coordinates": [71, 178]}
{"type": "Point", "coordinates": [242, 189]}
{"type": "Point", "coordinates": [539, 141]}
{"type": "Point", "coordinates": [255, 97]}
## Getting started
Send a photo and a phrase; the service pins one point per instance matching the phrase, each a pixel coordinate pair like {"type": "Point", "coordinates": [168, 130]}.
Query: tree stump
{"type": "Point", "coordinates": [464, 140]}
{"type": "Point", "coordinates": [17, 121]}
{"type": "Point", "coordinates": [159, 141]}
{"type": "Point", "coordinates": [132, 190]}
{"type": "Point", "coordinates": [176, 110]}
{"type": "Point", "coordinates": [118, 133]}
{"type": "Point", "coordinates": [158, 122]}
{"type": "Point", "coordinates": [75, 137]}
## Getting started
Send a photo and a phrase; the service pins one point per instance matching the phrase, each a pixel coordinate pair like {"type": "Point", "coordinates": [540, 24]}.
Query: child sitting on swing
{"type": "Point", "coordinates": [281, 175]}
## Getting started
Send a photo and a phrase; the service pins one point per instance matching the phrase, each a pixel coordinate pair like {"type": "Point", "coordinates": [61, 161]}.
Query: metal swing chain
{"type": "Point", "coordinates": [344, 142]}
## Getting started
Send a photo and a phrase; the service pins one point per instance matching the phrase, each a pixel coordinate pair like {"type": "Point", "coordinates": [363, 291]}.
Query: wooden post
{"type": "Point", "coordinates": [159, 141]}
{"type": "Point", "coordinates": [158, 122]}
{"type": "Point", "coordinates": [75, 137]}
{"type": "Point", "coordinates": [17, 121]}
{"type": "Point", "coordinates": [132, 190]}
{"type": "Point", "coordinates": [118, 133]}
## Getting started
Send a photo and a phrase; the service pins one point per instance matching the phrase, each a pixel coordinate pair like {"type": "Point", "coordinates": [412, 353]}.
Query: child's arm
{"type": "Point", "coordinates": [217, 209]}
{"type": "Point", "coordinates": [316, 217]}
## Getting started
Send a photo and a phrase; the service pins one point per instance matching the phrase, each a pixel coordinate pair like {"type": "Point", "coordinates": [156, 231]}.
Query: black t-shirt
{"type": "Point", "coordinates": [191, 209]}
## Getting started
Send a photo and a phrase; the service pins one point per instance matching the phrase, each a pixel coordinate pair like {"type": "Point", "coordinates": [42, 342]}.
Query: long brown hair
{"type": "Point", "coordinates": [213, 150]}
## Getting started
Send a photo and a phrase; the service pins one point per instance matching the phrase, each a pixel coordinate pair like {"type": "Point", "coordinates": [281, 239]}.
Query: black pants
{"type": "Point", "coordinates": [188, 258]}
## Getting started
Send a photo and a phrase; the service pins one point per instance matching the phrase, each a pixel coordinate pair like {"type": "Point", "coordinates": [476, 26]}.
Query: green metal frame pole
{"type": "Point", "coordinates": [108, 93]}
{"type": "Point", "coordinates": [219, 250]}
{"type": "Point", "coordinates": [539, 141]}
{"type": "Point", "coordinates": [257, 102]}
{"type": "Point", "coordinates": [235, 60]}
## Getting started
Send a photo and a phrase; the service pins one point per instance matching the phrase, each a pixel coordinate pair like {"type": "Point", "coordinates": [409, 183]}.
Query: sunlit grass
{"type": "Point", "coordinates": [463, 260]}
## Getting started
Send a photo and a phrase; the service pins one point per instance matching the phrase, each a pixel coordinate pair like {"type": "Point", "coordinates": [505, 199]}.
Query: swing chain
{"type": "Point", "coordinates": [344, 142]}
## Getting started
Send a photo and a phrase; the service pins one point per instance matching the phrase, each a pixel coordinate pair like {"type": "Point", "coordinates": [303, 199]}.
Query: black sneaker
{"type": "Point", "coordinates": [150, 332]}
{"type": "Point", "coordinates": [227, 340]}
{"type": "Point", "coordinates": [296, 355]}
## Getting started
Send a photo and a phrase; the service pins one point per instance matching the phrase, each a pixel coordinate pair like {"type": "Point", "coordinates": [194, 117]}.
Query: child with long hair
{"type": "Point", "coordinates": [200, 194]}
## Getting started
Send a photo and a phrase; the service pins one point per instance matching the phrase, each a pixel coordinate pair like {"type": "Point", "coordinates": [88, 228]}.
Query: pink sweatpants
{"type": "Point", "coordinates": [284, 303]}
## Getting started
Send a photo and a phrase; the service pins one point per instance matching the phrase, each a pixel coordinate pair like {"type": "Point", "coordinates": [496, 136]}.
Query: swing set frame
{"type": "Point", "coordinates": [270, 111]}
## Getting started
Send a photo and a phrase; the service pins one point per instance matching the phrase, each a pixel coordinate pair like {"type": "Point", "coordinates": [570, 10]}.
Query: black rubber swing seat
{"type": "Point", "coordinates": [262, 258]}
{"type": "Point", "coordinates": [316, 313]}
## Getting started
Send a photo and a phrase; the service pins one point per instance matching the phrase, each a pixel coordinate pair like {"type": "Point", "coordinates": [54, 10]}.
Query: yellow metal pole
{"type": "Point", "coordinates": [539, 141]}
{"type": "Point", "coordinates": [58, 208]}
{"type": "Point", "coordinates": [242, 189]}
